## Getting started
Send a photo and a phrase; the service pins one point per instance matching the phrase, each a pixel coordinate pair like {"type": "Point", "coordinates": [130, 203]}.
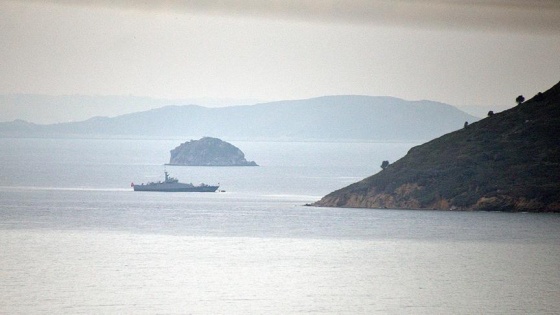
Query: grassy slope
{"type": "Point", "coordinates": [509, 161]}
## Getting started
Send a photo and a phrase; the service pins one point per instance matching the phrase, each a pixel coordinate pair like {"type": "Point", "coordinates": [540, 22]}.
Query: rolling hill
{"type": "Point", "coordinates": [331, 118]}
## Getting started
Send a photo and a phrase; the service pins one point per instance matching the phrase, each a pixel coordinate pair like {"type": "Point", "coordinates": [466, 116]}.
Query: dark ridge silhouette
{"type": "Point", "coordinates": [509, 161]}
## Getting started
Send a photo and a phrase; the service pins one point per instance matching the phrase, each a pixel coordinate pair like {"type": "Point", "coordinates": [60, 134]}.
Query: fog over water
{"type": "Point", "coordinates": [470, 55]}
{"type": "Point", "coordinates": [77, 239]}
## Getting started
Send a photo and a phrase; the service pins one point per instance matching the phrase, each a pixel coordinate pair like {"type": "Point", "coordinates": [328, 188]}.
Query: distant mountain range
{"type": "Point", "coordinates": [52, 109]}
{"type": "Point", "coordinates": [509, 161]}
{"type": "Point", "coordinates": [323, 118]}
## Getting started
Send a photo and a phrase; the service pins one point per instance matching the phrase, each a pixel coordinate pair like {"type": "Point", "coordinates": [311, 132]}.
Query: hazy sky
{"type": "Point", "coordinates": [459, 52]}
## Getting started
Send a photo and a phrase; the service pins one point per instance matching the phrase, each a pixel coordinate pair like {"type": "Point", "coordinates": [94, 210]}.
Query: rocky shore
{"type": "Point", "coordinates": [509, 161]}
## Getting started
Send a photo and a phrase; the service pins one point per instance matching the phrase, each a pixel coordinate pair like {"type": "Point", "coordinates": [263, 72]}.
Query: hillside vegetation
{"type": "Point", "coordinates": [509, 161]}
{"type": "Point", "coordinates": [208, 152]}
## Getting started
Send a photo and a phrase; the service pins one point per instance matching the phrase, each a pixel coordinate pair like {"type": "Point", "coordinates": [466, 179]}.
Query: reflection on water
{"type": "Point", "coordinates": [95, 272]}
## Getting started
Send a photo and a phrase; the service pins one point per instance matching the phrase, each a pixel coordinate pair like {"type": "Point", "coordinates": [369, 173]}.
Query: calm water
{"type": "Point", "coordinates": [74, 238]}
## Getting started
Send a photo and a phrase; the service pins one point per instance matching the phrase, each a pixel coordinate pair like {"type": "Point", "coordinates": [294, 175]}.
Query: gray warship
{"type": "Point", "coordinates": [172, 184]}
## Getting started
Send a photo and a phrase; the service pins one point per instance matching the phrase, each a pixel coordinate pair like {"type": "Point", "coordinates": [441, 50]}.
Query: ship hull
{"type": "Point", "coordinates": [175, 188]}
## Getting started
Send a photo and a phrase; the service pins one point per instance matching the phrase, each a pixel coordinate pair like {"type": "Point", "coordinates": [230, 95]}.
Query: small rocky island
{"type": "Point", "coordinates": [509, 161]}
{"type": "Point", "coordinates": [208, 152]}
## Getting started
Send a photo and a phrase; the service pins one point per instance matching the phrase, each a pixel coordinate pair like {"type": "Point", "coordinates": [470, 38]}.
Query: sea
{"type": "Point", "coordinates": [76, 239]}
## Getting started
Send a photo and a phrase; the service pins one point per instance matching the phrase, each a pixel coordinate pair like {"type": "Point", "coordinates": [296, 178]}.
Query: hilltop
{"type": "Point", "coordinates": [208, 152]}
{"type": "Point", "coordinates": [509, 161]}
{"type": "Point", "coordinates": [328, 118]}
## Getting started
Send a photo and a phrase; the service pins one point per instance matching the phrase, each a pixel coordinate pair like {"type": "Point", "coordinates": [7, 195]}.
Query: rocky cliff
{"type": "Point", "coordinates": [509, 161]}
{"type": "Point", "coordinates": [208, 152]}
